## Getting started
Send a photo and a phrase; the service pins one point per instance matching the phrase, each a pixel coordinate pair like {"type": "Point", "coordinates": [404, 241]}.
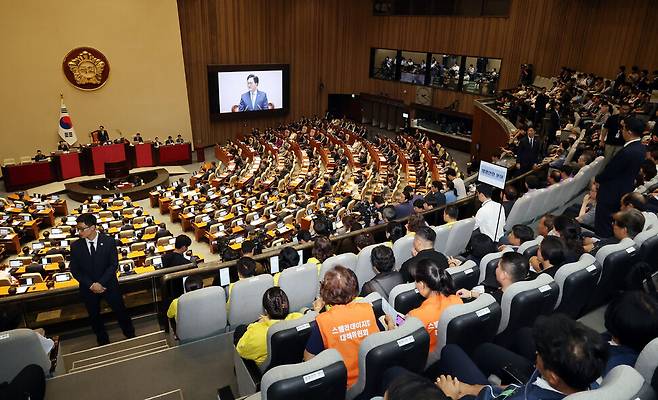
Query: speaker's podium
{"type": "Point", "coordinates": [117, 171]}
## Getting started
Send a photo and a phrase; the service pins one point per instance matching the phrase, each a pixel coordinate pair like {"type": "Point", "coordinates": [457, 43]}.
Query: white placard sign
{"type": "Point", "coordinates": [492, 174]}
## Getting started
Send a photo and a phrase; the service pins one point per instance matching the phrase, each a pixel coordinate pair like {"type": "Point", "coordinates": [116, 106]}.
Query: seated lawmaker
{"type": "Point", "coordinates": [138, 138]}
{"type": "Point", "coordinates": [179, 139]}
{"type": "Point", "coordinates": [338, 289]}
{"type": "Point", "coordinates": [162, 231]}
{"type": "Point", "coordinates": [512, 267]}
{"type": "Point", "coordinates": [170, 140]}
{"type": "Point", "coordinates": [63, 146]}
{"type": "Point", "coordinates": [39, 156]}
{"type": "Point", "coordinates": [383, 261]}
{"type": "Point", "coordinates": [252, 340]}
{"type": "Point", "coordinates": [177, 257]}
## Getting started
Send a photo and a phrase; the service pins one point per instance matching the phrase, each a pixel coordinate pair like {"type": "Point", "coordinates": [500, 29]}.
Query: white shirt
{"type": "Point", "coordinates": [459, 186]}
{"type": "Point", "coordinates": [631, 141]}
{"type": "Point", "coordinates": [486, 218]}
{"type": "Point", "coordinates": [95, 242]}
{"type": "Point", "coordinates": [253, 100]}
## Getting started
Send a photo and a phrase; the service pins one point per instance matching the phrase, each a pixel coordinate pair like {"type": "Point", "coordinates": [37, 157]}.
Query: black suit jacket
{"type": "Point", "coordinates": [407, 269]}
{"type": "Point", "coordinates": [162, 233]}
{"type": "Point", "coordinates": [527, 155]}
{"type": "Point", "coordinates": [101, 269]}
{"type": "Point", "coordinates": [618, 177]}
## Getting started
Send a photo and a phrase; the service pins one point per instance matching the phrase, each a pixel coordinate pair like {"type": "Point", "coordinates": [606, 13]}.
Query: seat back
{"type": "Point", "coordinates": [245, 304]}
{"type": "Point", "coordinates": [20, 348]}
{"type": "Point", "coordinates": [405, 297]}
{"type": "Point", "coordinates": [643, 236]}
{"type": "Point", "coordinates": [649, 250]}
{"type": "Point", "coordinates": [300, 284]}
{"type": "Point", "coordinates": [577, 282]}
{"type": "Point", "coordinates": [467, 325]}
{"type": "Point", "coordinates": [286, 341]}
{"type": "Point", "coordinates": [402, 250]}
{"type": "Point", "coordinates": [650, 220]}
{"type": "Point", "coordinates": [347, 260]}
{"type": "Point", "coordinates": [459, 236]}
{"type": "Point", "coordinates": [615, 261]}
{"type": "Point", "coordinates": [530, 247]}
{"type": "Point", "coordinates": [201, 314]}
{"type": "Point", "coordinates": [621, 383]}
{"type": "Point", "coordinates": [465, 275]}
{"type": "Point", "coordinates": [524, 301]}
{"type": "Point", "coordinates": [364, 271]}
{"type": "Point", "coordinates": [518, 212]}
{"type": "Point", "coordinates": [163, 241]}
{"type": "Point", "coordinates": [488, 265]}
{"type": "Point", "coordinates": [407, 347]}
{"type": "Point", "coordinates": [442, 235]}
{"type": "Point", "coordinates": [324, 377]}
{"type": "Point", "coordinates": [647, 361]}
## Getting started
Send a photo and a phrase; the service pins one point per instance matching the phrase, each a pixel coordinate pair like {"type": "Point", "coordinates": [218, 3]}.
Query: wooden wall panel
{"type": "Point", "coordinates": [327, 44]}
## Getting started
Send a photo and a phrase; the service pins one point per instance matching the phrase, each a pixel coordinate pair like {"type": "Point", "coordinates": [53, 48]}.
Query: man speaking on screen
{"type": "Point", "coordinates": [254, 99]}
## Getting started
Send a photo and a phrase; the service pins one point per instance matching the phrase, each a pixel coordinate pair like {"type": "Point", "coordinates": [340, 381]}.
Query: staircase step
{"type": "Point", "coordinates": [69, 358]}
{"type": "Point", "coordinates": [115, 354]}
{"type": "Point", "coordinates": [120, 358]}
{"type": "Point", "coordinates": [173, 395]}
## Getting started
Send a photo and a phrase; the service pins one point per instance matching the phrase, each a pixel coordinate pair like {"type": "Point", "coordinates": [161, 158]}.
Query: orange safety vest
{"type": "Point", "coordinates": [343, 328]}
{"type": "Point", "coordinates": [430, 312]}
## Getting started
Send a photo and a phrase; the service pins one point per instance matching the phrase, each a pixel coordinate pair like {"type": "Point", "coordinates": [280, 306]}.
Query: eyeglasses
{"type": "Point", "coordinates": [80, 229]}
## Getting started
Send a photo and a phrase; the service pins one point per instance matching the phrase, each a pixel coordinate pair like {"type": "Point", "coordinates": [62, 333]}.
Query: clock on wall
{"type": "Point", "coordinates": [424, 95]}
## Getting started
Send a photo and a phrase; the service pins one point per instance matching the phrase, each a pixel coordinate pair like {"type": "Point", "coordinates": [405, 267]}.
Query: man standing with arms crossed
{"type": "Point", "coordinates": [94, 263]}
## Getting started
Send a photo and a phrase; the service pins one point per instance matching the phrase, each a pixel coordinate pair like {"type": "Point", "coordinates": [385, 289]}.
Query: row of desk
{"type": "Point", "coordinates": [90, 160]}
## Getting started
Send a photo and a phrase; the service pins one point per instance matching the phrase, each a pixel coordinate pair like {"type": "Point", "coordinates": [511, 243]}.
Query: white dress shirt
{"type": "Point", "coordinates": [631, 141]}
{"type": "Point", "coordinates": [488, 216]}
{"type": "Point", "coordinates": [253, 100]}
{"type": "Point", "coordinates": [95, 242]}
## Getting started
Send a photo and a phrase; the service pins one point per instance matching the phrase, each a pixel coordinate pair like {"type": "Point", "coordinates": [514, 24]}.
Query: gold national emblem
{"type": "Point", "coordinates": [86, 68]}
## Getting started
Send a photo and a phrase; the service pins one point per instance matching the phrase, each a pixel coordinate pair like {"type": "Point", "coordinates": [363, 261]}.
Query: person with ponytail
{"type": "Point", "coordinates": [253, 343]}
{"type": "Point", "coordinates": [434, 283]}
{"type": "Point", "coordinates": [569, 231]}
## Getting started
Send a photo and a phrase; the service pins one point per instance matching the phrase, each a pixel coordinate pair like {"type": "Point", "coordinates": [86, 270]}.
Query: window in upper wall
{"type": "Point", "coordinates": [413, 67]}
{"type": "Point", "coordinates": [445, 70]}
{"type": "Point", "coordinates": [383, 64]}
{"type": "Point", "coordinates": [481, 75]}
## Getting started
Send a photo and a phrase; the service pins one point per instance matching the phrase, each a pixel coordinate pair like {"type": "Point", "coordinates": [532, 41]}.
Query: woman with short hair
{"type": "Point", "coordinates": [345, 323]}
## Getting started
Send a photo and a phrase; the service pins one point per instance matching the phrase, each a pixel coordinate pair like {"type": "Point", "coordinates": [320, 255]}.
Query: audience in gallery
{"type": "Point", "coordinates": [564, 241]}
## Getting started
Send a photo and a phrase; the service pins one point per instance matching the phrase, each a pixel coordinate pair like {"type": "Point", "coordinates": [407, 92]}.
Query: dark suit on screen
{"type": "Point", "coordinates": [101, 268]}
{"type": "Point", "coordinates": [259, 104]}
{"type": "Point", "coordinates": [616, 179]}
{"type": "Point", "coordinates": [527, 155]}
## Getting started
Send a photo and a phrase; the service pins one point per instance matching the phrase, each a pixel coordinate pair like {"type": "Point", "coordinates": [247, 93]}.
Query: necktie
{"type": "Point", "coordinates": [92, 249]}
{"type": "Point", "coordinates": [530, 143]}
{"type": "Point", "coordinates": [253, 101]}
